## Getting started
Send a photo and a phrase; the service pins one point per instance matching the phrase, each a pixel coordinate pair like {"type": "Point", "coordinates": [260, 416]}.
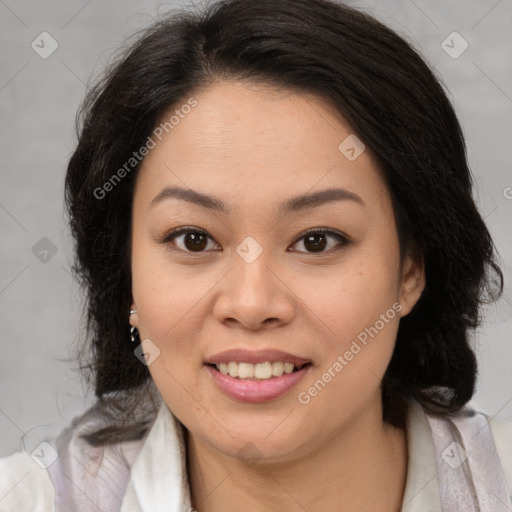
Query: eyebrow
{"type": "Point", "coordinates": [291, 205]}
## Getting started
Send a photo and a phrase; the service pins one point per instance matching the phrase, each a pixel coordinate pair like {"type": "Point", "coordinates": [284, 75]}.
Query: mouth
{"type": "Point", "coordinates": [256, 376]}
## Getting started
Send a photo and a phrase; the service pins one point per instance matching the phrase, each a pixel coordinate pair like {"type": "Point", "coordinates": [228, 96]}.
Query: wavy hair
{"type": "Point", "coordinates": [393, 102]}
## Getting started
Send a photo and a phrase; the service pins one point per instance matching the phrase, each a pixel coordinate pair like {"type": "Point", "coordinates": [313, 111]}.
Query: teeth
{"type": "Point", "coordinates": [288, 367]}
{"type": "Point", "coordinates": [245, 370]}
{"type": "Point", "coordinates": [277, 368]}
{"type": "Point", "coordinates": [233, 369]}
{"type": "Point", "coordinates": [261, 371]}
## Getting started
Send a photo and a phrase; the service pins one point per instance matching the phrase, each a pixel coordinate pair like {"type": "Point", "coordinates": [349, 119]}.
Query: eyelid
{"type": "Point", "coordinates": [170, 235]}
{"type": "Point", "coordinates": [183, 229]}
{"type": "Point", "coordinates": [343, 239]}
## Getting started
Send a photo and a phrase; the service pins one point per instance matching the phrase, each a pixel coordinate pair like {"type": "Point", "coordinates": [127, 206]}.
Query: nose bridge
{"type": "Point", "coordinates": [254, 293]}
{"type": "Point", "coordinates": [252, 262]}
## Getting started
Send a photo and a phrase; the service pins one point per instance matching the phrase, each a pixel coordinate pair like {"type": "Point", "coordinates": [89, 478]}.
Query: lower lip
{"type": "Point", "coordinates": [257, 391]}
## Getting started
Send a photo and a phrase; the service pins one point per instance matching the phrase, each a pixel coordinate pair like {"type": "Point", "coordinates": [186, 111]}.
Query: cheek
{"type": "Point", "coordinates": [357, 311]}
{"type": "Point", "coordinates": [354, 296]}
{"type": "Point", "coordinates": [166, 297]}
{"type": "Point", "coordinates": [169, 306]}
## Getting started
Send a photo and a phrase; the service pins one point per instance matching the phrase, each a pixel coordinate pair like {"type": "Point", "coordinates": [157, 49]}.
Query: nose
{"type": "Point", "coordinates": [255, 296]}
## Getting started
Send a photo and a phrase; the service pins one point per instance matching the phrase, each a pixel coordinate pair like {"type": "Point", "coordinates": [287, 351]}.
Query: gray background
{"type": "Point", "coordinates": [40, 304]}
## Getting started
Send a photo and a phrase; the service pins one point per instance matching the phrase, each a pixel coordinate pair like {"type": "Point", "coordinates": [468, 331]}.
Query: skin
{"type": "Point", "coordinates": [253, 147]}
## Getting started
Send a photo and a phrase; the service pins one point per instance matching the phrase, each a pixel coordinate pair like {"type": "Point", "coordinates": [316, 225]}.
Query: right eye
{"type": "Point", "coordinates": [188, 239]}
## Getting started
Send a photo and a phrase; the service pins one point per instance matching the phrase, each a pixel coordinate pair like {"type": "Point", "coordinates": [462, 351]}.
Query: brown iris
{"type": "Point", "coordinates": [195, 241]}
{"type": "Point", "coordinates": [315, 242]}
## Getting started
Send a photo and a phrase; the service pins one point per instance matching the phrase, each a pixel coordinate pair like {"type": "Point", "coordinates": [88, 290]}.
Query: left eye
{"type": "Point", "coordinates": [315, 241]}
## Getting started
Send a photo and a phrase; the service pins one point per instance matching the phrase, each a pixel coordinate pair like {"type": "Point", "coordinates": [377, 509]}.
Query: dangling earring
{"type": "Point", "coordinates": [134, 333]}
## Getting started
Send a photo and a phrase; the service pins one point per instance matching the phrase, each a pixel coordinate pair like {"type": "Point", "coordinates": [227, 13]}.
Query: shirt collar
{"type": "Point", "coordinates": [158, 480]}
{"type": "Point", "coordinates": [422, 485]}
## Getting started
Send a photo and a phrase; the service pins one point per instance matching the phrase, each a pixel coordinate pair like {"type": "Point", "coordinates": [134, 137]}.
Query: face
{"type": "Point", "coordinates": [316, 283]}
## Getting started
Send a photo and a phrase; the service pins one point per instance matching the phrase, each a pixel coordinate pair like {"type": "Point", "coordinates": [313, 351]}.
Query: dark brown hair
{"type": "Point", "coordinates": [395, 105]}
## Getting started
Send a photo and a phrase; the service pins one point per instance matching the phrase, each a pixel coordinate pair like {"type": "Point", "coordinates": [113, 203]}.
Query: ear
{"type": "Point", "coordinates": [412, 282]}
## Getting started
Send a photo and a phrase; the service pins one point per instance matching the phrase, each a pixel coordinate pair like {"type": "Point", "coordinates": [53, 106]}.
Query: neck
{"type": "Point", "coordinates": [361, 468]}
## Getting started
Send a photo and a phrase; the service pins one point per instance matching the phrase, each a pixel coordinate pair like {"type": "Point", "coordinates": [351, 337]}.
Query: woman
{"type": "Point", "coordinates": [283, 262]}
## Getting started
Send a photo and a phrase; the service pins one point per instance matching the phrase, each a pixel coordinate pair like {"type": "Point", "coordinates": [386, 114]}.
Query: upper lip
{"type": "Point", "coordinates": [259, 356]}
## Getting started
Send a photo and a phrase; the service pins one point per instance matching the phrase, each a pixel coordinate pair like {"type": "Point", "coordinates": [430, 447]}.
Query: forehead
{"type": "Point", "coordinates": [253, 142]}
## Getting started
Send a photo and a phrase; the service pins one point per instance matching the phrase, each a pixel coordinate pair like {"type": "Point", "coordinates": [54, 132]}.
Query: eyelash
{"type": "Point", "coordinates": [169, 237]}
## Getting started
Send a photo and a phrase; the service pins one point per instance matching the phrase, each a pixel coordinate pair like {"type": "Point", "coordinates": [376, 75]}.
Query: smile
{"type": "Point", "coordinates": [256, 376]}
{"type": "Point", "coordinates": [259, 371]}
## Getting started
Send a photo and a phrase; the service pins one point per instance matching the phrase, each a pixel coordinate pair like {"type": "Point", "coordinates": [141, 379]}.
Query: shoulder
{"type": "Point", "coordinates": [481, 428]}
{"type": "Point", "coordinates": [59, 467]}
{"type": "Point", "coordinates": [502, 434]}
{"type": "Point", "coordinates": [24, 485]}
{"type": "Point", "coordinates": [472, 446]}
